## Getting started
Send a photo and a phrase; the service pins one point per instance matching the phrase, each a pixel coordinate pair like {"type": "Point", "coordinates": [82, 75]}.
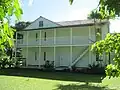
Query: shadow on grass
{"type": "Point", "coordinates": [63, 76]}
{"type": "Point", "coordinates": [81, 87]}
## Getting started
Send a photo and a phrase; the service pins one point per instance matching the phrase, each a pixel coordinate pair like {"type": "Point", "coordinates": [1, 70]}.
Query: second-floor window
{"type": "Point", "coordinates": [36, 36]}
{"type": "Point", "coordinates": [45, 35]}
{"type": "Point", "coordinates": [40, 23]}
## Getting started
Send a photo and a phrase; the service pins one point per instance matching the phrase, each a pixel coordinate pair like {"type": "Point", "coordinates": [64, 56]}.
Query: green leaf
{"type": "Point", "coordinates": [71, 1]}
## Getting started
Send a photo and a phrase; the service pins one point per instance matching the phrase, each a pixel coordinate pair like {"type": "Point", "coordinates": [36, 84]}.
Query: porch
{"type": "Point", "coordinates": [62, 56]}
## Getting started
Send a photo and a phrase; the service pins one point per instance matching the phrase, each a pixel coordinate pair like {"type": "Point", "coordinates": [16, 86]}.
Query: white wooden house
{"type": "Point", "coordinates": [66, 43]}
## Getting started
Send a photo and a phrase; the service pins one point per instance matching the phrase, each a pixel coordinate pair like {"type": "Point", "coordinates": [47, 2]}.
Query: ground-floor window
{"type": "Point", "coordinates": [35, 56]}
{"type": "Point", "coordinates": [44, 56]}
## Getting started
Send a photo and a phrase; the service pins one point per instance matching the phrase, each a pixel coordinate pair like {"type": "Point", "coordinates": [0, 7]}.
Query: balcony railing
{"type": "Point", "coordinates": [62, 40]}
{"type": "Point", "coordinates": [76, 40]}
{"type": "Point", "coordinates": [80, 40]}
{"type": "Point", "coordinates": [47, 41]}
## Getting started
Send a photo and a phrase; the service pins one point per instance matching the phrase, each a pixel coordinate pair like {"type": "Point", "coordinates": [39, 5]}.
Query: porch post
{"type": "Point", "coordinates": [27, 50]}
{"type": "Point", "coordinates": [16, 47]}
{"type": "Point", "coordinates": [90, 46]}
{"type": "Point", "coordinates": [54, 47]}
{"type": "Point", "coordinates": [39, 48]}
{"type": "Point", "coordinates": [71, 47]}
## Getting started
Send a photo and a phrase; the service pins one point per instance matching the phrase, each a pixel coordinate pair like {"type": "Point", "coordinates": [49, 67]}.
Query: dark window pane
{"type": "Point", "coordinates": [36, 36]}
{"type": "Point", "coordinates": [35, 55]}
{"type": "Point", "coordinates": [45, 35]}
{"type": "Point", "coordinates": [40, 23]}
{"type": "Point", "coordinates": [44, 56]}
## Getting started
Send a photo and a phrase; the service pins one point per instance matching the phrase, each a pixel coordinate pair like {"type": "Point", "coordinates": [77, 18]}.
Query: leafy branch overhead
{"type": "Point", "coordinates": [8, 8]}
{"type": "Point", "coordinates": [107, 8]}
{"type": "Point", "coordinates": [71, 1]}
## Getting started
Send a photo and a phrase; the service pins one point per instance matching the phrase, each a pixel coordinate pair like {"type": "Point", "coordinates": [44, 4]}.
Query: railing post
{"type": "Point", "coordinates": [71, 54]}
{"type": "Point", "coordinates": [27, 49]}
{"type": "Point", "coordinates": [54, 37]}
{"type": "Point", "coordinates": [39, 48]}
{"type": "Point", "coordinates": [16, 47]}
{"type": "Point", "coordinates": [89, 44]}
{"type": "Point", "coordinates": [54, 47]}
{"type": "Point", "coordinates": [71, 36]}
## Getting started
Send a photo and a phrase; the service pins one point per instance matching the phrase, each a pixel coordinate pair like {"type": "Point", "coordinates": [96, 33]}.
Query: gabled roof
{"type": "Point", "coordinates": [51, 21]}
{"type": "Point", "coordinates": [41, 17]}
{"type": "Point", "coordinates": [63, 24]}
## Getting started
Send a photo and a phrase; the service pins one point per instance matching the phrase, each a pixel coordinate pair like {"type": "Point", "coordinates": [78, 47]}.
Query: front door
{"type": "Point", "coordinates": [64, 57]}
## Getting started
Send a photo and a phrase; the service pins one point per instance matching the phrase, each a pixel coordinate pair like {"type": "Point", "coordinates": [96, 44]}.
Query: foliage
{"type": "Point", "coordinates": [19, 58]}
{"type": "Point", "coordinates": [21, 25]}
{"type": "Point", "coordinates": [111, 44]}
{"type": "Point", "coordinates": [71, 1]}
{"type": "Point", "coordinates": [94, 15]}
{"type": "Point", "coordinates": [96, 68]}
{"type": "Point", "coordinates": [7, 59]}
{"type": "Point", "coordinates": [6, 62]}
{"type": "Point", "coordinates": [49, 65]}
{"type": "Point", "coordinates": [8, 8]}
{"type": "Point", "coordinates": [107, 8]}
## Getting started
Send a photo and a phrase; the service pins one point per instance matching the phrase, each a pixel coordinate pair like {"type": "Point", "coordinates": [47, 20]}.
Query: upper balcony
{"type": "Point", "coordinates": [58, 41]}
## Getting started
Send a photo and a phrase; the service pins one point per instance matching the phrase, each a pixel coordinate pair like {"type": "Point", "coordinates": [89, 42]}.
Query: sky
{"type": "Point", "coordinates": [61, 10]}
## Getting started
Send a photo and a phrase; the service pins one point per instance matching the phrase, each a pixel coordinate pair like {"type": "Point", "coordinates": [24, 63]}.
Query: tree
{"type": "Point", "coordinates": [111, 44]}
{"type": "Point", "coordinates": [21, 25]}
{"type": "Point", "coordinates": [8, 8]}
{"type": "Point", "coordinates": [94, 15]}
{"type": "Point", "coordinates": [107, 8]}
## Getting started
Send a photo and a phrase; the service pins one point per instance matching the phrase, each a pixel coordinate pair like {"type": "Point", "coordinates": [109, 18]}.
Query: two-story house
{"type": "Point", "coordinates": [66, 43]}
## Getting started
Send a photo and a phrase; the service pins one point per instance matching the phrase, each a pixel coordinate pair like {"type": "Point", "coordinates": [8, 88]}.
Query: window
{"type": "Point", "coordinates": [44, 56]}
{"type": "Point", "coordinates": [40, 23]}
{"type": "Point", "coordinates": [98, 30]}
{"type": "Point", "coordinates": [19, 36]}
{"type": "Point", "coordinates": [36, 36]}
{"type": "Point", "coordinates": [45, 34]}
{"type": "Point", "coordinates": [35, 56]}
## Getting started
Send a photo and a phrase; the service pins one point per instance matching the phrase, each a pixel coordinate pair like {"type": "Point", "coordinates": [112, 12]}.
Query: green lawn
{"type": "Point", "coordinates": [24, 79]}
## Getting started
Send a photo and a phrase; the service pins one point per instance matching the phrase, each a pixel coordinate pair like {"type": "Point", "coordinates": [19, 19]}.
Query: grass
{"type": "Point", "coordinates": [24, 79]}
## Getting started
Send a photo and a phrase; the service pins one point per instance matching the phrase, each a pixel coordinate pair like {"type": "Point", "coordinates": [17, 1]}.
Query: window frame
{"type": "Point", "coordinates": [40, 23]}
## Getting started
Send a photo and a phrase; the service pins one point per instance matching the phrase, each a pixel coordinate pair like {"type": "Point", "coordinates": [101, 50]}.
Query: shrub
{"type": "Point", "coordinates": [96, 69]}
{"type": "Point", "coordinates": [49, 65]}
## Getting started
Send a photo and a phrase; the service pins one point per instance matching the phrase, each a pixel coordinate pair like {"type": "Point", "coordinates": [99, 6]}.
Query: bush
{"type": "Point", "coordinates": [96, 69]}
{"type": "Point", "coordinates": [49, 65]}
{"type": "Point", "coordinates": [6, 62]}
